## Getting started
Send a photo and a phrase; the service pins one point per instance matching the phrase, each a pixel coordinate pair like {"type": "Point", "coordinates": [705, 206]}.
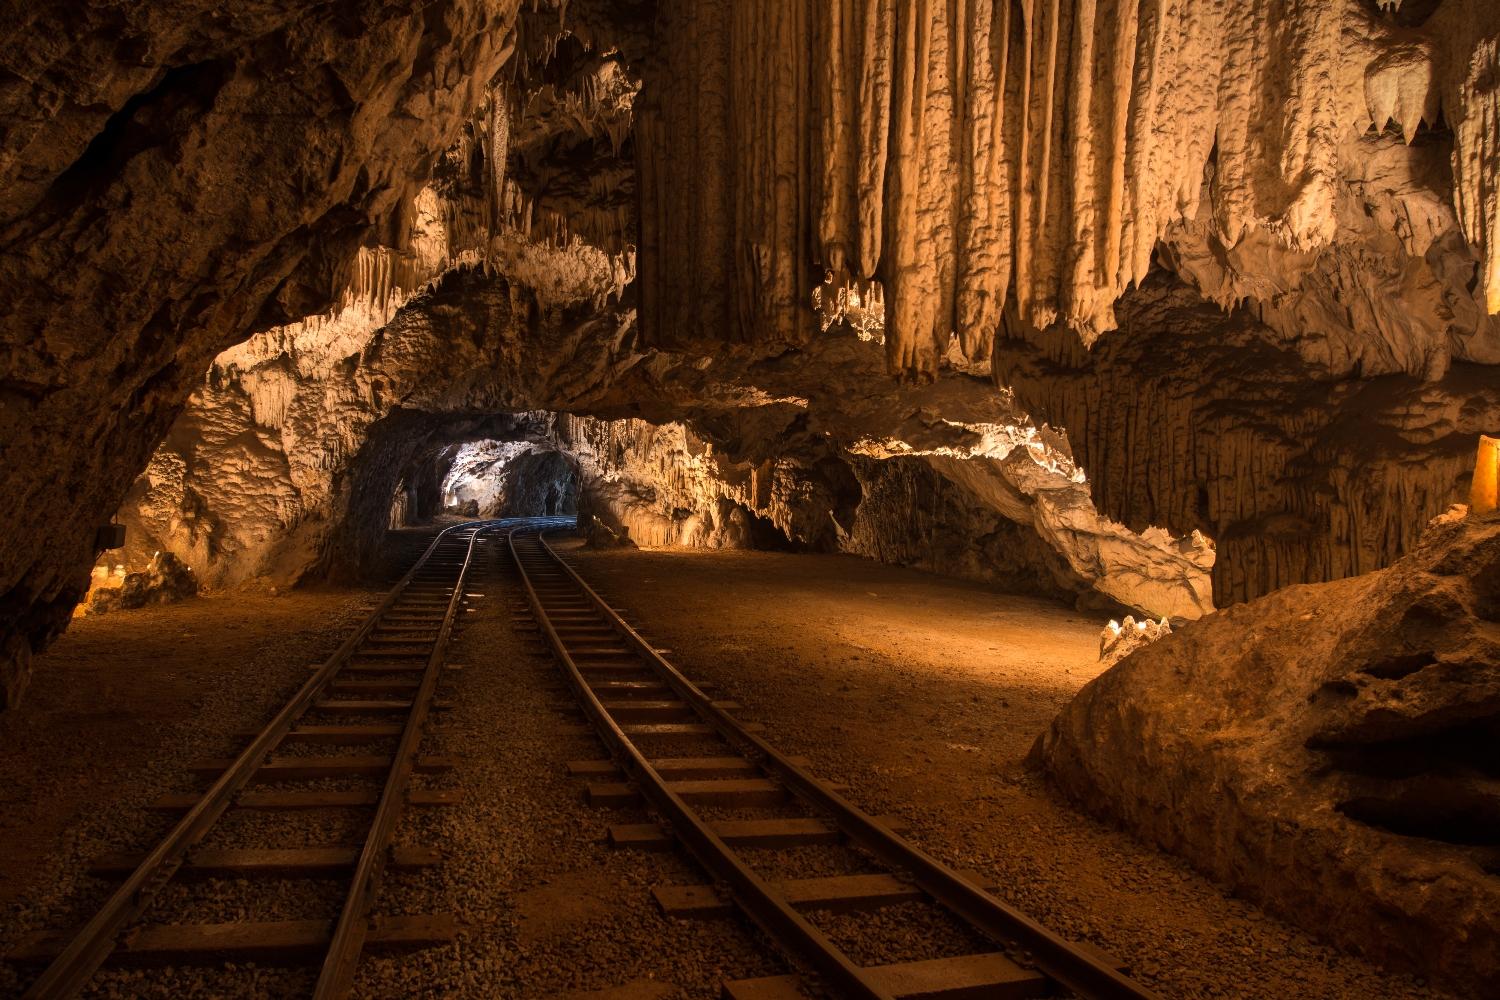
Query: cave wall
{"type": "Point", "coordinates": [668, 486]}
{"type": "Point", "coordinates": [474, 477]}
{"type": "Point", "coordinates": [556, 336]}
{"type": "Point", "coordinates": [345, 538]}
{"type": "Point", "coordinates": [538, 483]}
{"type": "Point", "coordinates": [968, 155]}
{"type": "Point", "coordinates": [1189, 418]}
{"type": "Point", "coordinates": [172, 175]}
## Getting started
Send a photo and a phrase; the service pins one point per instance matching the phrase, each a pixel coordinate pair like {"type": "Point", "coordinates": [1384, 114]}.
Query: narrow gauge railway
{"type": "Point", "coordinates": [350, 739]}
{"type": "Point", "coordinates": [727, 797]}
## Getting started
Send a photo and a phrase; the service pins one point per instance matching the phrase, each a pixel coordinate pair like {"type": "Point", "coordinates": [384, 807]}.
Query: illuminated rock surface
{"type": "Point", "coordinates": [974, 172]}
{"type": "Point", "coordinates": [1192, 419]}
{"type": "Point", "coordinates": [1327, 750]}
{"type": "Point", "coordinates": [288, 460]}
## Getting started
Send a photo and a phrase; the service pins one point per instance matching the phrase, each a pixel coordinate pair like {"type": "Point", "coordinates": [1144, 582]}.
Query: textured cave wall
{"type": "Point", "coordinates": [424, 485]}
{"type": "Point", "coordinates": [1187, 418]}
{"type": "Point", "coordinates": [668, 485]}
{"type": "Point", "coordinates": [287, 444]}
{"type": "Point", "coordinates": [172, 174]}
{"type": "Point", "coordinates": [538, 484]}
{"type": "Point", "coordinates": [908, 514]}
{"type": "Point", "coordinates": [1392, 290]}
{"type": "Point", "coordinates": [475, 475]}
{"type": "Point", "coordinates": [553, 338]}
{"type": "Point", "coordinates": [973, 154]}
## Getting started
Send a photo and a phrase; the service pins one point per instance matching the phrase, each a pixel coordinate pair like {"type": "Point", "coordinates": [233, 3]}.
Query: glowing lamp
{"type": "Point", "coordinates": [1486, 477]}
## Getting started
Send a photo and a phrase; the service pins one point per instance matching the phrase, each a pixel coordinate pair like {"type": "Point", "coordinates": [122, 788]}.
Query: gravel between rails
{"type": "Point", "coordinates": [906, 932]}
{"type": "Point", "coordinates": [546, 906]}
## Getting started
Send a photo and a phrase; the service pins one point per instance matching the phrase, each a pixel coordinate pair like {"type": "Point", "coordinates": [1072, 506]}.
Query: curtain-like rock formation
{"type": "Point", "coordinates": [1188, 418]}
{"type": "Point", "coordinates": [978, 152]}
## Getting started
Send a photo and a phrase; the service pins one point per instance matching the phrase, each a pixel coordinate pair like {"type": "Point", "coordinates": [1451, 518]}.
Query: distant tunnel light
{"type": "Point", "coordinates": [1486, 477]}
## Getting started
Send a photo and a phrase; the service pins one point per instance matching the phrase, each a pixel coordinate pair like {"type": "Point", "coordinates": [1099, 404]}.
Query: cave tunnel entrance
{"type": "Point", "coordinates": [488, 478]}
{"type": "Point", "coordinates": [510, 479]}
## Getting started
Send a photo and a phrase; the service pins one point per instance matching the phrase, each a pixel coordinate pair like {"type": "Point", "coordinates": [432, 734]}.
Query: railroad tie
{"type": "Point", "coordinates": [835, 893]}
{"type": "Point", "coordinates": [741, 833]}
{"type": "Point", "coordinates": [275, 941]}
{"type": "Point", "coordinates": [990, 976]}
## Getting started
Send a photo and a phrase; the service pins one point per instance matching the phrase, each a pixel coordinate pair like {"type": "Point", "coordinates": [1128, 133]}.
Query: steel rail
{"type": "Point", "coordinates": [1055, 956]}
{"type": "Point", "coordinates": [764, 906]}
{"type": "Point", "coordinates": [67, 974]}
{"type": "Point", "coordinates": [336, 978]}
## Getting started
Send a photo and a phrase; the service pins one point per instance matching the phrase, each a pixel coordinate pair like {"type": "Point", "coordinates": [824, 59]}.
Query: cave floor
{"type": "Point", "coordinates": [922, 694]}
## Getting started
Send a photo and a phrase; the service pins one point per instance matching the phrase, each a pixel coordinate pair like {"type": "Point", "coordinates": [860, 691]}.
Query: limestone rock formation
{"type": "Point", "coordinates": [1119, 639]}
{"type": "Point", "coordinates": [335, 428]}
{"type": "Point", "coordinates": [473, 475]}
{"type": "Point", "coordinates": [1194, 420]}
{"type": "Point", "coordinates": [1327, 750]}
{"type": "Point", "coordinates": [165, 579]}
{"type": "Point", "coordinates": [972, 154]}
{"type": "Point", "coordinates": [537, 483]}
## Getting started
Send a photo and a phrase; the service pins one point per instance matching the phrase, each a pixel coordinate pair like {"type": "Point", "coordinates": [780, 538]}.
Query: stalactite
{"type": "Point", "coordinates": [498, 150]}
{"type": "Point", "coordinates": [1471, 105]}
{"type": "Point", "coordinates": [974, 153]}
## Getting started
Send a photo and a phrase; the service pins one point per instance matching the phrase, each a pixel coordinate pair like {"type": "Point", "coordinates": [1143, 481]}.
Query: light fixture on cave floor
{"type": "Point", "coordinates": [1483, 495]}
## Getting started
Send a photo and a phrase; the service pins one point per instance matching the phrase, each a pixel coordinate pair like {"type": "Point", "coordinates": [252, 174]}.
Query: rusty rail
{"type": "Point", "coordinates": [67, 974]}
{"type": "Point", "coordinates": [1062, 961]}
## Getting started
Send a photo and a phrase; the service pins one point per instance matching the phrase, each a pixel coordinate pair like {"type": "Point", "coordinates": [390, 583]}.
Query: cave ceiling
{"type": "Point", "coordinates": [224, 223]}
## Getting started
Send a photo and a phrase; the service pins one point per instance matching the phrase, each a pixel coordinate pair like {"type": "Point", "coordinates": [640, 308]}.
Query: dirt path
{"type": "Point", "coordinates": [925, 694]}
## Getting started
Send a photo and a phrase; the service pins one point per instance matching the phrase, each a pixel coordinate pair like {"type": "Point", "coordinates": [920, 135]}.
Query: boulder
{"type": "Point", "coordinates": [1328, 750]}
{"type": "Point", "coordinates": [165, 580]}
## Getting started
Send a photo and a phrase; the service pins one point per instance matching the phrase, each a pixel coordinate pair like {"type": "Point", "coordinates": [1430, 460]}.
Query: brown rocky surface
{"type": "Point", "coordinates": [924, 695]}
{"type": "Point", "coordinates": [173, 175]}
{"type": "Point", "coordinates": [1191, 419]}
{"type": "Point", "coordinates": [1333, 167]}
{"type": "Point", "coordinates": [1327, 750]}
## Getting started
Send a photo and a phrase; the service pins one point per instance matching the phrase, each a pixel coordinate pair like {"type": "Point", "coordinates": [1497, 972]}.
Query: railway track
{"type": "Point", "coordinates": [349, 739]}
{"type": "Point", "coordinates": [729, 799]}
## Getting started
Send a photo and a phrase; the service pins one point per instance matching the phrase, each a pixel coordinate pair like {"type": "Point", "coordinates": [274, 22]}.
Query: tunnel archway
{"type": "Point", "coordinates": [488, 478]}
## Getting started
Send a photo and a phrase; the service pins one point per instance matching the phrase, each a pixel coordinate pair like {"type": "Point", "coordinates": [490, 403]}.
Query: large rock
{"type": "Point", "coordinates": [1328, 750]}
